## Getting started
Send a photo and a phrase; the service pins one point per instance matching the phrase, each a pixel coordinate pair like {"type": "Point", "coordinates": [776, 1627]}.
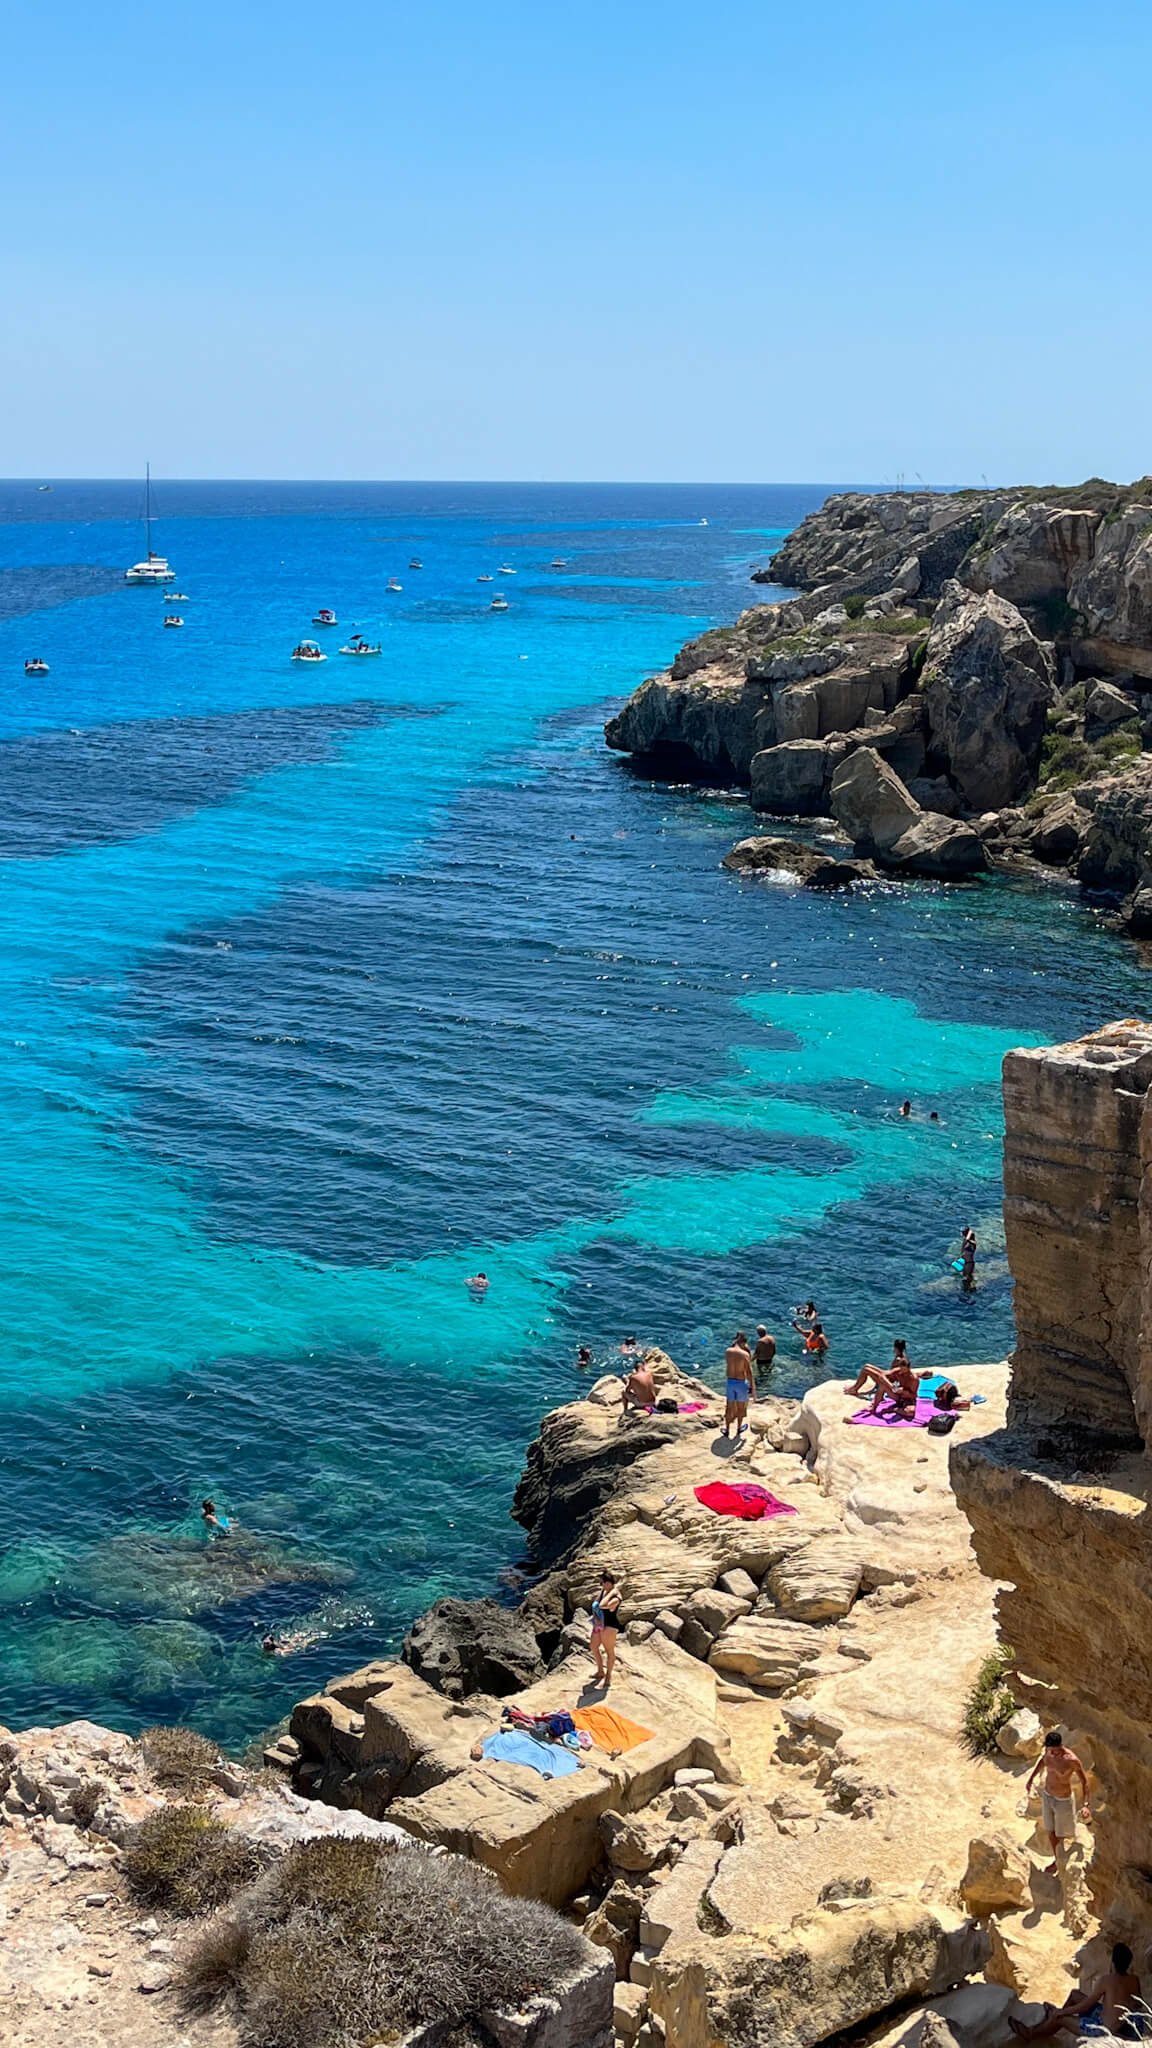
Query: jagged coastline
{"type": "Point", "coordinates": [964, 681]}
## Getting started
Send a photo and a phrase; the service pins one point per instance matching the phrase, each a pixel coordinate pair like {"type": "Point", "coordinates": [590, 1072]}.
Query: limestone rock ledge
{"type": "Point", "coordinates": [1059, 1500]}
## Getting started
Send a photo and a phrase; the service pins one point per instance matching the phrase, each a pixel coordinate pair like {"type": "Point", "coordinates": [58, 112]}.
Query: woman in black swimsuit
{"type": "Point", "coordinates": [605, 1623]}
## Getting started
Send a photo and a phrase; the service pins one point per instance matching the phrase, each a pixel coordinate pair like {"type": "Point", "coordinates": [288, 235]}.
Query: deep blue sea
{"type": "Point", "coordinates": [322, 988]}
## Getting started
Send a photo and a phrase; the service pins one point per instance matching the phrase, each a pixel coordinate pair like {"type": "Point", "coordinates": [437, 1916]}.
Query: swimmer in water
{"type": "Point", "coordinates": [905, 1109]}
{"type": "Point", "coordinates": [584, 1358]}
{"type": "Point", "coordinates": [478, 1282]}
{"type": "Point", "coordinates": [212, 1520]}
{"type": "Point", "coordinates": [269, 1645]}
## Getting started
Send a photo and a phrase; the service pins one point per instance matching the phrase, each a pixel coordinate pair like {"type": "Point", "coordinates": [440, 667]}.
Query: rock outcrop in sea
{"type": "Point", "coordinates": [993, 649]}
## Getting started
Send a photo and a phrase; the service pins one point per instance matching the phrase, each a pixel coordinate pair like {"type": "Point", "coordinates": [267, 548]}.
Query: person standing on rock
{"type": "Point", "coordinates": [968, 1257]}
{"type": "Point", "coordinates": [741, 1384]}
{"type": "Point", "coordinates": [1061, 1767]}
{"type": "Point", "coordinates": [764, 1351]}
{"type": "Point", "coordinates": [605, 1623]}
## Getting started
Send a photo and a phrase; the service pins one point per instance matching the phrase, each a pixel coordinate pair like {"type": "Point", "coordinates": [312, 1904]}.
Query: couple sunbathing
{"type": "Point", "coordinates": [900, 1385]}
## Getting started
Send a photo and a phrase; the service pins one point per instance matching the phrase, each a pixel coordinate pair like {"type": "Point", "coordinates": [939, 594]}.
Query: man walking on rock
{"type": "Point", "coordinates": [1057, 1805]}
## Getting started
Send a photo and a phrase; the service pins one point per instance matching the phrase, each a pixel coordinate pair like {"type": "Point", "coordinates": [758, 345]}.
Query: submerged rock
{"type": "Point", "coordinates": [815, 870]}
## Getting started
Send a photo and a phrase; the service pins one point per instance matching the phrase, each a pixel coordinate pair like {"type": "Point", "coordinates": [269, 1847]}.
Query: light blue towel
{"type": "Point", "coordinates": [512, 1746]}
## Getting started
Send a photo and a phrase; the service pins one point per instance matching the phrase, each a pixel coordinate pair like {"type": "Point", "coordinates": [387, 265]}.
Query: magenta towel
{"type": "Point", "coordinates": [747, 1502]}
{"type": "Point", "coordinates": [886, 1417]}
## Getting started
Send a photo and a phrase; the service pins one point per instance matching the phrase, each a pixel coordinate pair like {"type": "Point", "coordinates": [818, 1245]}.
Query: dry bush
{"type": "Point", "coordinates": [180, 1759]}
{"type": "Point", "coordinates": [345, 1942]}
{"type": "Point", "coordinates": [184, 1860]}
{"type": "Point", "coordinates": [84, 1803]}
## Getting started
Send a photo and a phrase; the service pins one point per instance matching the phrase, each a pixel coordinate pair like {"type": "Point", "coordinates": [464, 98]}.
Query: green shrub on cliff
{"type": "Point", "coordinates": [182, 1859]}
{"type": "Point", "coordinates": [1066, 759]}
{"type": "Point", "coordinates": [989, 1705]}
{"type": "Point", "coordinates": [180, 1759]}
{"type": "Point", "coordinates": [348, 1942]}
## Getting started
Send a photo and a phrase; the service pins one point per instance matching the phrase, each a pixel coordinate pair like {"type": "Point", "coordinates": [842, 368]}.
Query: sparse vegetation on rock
{"type": "Point", "coordinates": [343, 1943]}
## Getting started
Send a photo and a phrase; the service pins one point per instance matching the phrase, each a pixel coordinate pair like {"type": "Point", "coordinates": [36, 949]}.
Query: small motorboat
{"type": "Point", "coordinates": [499, 604]}
{"type": "Point", "coordinates": [325, 616]}
{"type": "Point", "coordinates": [485, 579]}
{"type": "Point", "coordinates": [559, 563]}
{"type": "Point", "coordinates": [176, 596]}
{"type": "Point", "coordinates": [703, 522]}
{"type": "Point", "coordinates": [504, 570]}
{"type": "Point", "coordinates": [394, 586]}
{"type": "Point", "coordinates": [415, 563]}
{"type": "Point", "coordinates": [173, 619]}
{"type": "Point", "coordinates": [358, 645]}
{"type": "Point", "coordinates": [36, 668]}
{"type": "Point", "coordinates": [43, 487]}
{"type": "Point", "coordinates": [308, 651]}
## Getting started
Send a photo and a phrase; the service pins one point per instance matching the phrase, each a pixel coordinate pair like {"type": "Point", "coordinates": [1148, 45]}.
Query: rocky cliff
{"type": "Point", "coordinates": [994, 648]}
{"type": "Point", "coordinates": [1059, 1500]}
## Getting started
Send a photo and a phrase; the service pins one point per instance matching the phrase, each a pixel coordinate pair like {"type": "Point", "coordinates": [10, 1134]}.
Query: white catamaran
{"type": "Point", "coordinates": [154, 568]}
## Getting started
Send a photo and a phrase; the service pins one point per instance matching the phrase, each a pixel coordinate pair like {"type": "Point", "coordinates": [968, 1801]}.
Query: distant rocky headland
{"type": "Point", "coordinates": [964, 682]}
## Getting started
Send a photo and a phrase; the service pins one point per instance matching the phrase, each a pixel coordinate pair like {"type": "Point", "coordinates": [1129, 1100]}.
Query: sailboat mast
{"type": "Point", "coordinates": [147, 511]}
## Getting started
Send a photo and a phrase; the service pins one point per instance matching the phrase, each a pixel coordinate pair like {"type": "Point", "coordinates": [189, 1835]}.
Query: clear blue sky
{"type": "Point", "coordinates": [823, 240]}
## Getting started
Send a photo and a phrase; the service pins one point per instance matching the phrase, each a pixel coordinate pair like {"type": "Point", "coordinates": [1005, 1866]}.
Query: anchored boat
{"type": "Point", "coordinates": [154, 568]}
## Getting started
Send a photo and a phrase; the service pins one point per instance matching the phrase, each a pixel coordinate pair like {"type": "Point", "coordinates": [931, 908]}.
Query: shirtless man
{"type": "Point", "coordinates": [1115, 1993]}
{"type": "Point", "coordinates": [1058, 1807]}
{"type": "Point", "coordinates": [640, 1387]}
{"type": "Point", "coordinates": [764, 1354]}
{"type": "Point", "coordinates": [741, 1383]}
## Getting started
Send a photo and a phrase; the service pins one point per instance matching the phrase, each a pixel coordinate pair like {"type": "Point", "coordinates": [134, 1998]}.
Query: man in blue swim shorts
{"type": "Point", "coordinates": [741, 1383]}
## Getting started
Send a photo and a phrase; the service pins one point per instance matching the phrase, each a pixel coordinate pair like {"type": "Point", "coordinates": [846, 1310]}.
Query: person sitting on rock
{"type": "Point", "coordinates": [639, 1387]}
{"type": "Point", "coordinates": [1104, 2010]}
{"type": "Point", "coordinates": [867, 1375]}
{"type": "Point", "coordinates": [1061, 1767]}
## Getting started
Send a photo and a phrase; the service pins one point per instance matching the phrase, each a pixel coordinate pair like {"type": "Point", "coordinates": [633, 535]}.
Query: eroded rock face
{"type": "Point", "coordinates": [831, 1972]}
{"type": "Point", "coordinates": [988, 683]}
{"type": "Point", "coordinates": [1058, 1500]}
{"type": "Point", "coordinates": [1112, 592]}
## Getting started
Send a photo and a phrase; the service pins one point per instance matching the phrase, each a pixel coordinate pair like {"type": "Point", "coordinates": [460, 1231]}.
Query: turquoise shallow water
{"type": "Point", "coordinates": [321, 988]}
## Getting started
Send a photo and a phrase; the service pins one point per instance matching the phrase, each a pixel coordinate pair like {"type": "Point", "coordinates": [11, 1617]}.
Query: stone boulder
{"type": "Point", "coordinates": [818, 1583]}
{"type": "Point", "coordinates": [1105, 707]}
{"type": "Point", "coordinates": [883, 819]}
{"type": "Point", "coordinates": [1060, 834]}
{"type": "Point", "coordinates": [988, 683]}
{"type": "Point", "coordinates": [466, 1646]}
{"type": "Point", "coordinates": [790, 780]}
{"type": "Point", "coordinates": [870, 803]}
{"type": "Point", "coordinates": [830, 1972]}
{"type": "Point", "coordinates": [768, 1651]}
{"type": "Point", "coordinates": [937, 846]}
{"type": "Point", "coordinates": [1021, 1735]}
{"type": "Point", "coordinates": [633, 1841]}
{"type": "Point", "coordinates": [1117, 850]}
{"type": "Point", "coordinates": [814, 870]}
{"type": "Point", "coordinates": [996, 1877]}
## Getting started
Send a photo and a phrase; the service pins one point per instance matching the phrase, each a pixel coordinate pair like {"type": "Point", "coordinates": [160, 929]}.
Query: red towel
{"type": "Point", "coordinates": [748, 1503]}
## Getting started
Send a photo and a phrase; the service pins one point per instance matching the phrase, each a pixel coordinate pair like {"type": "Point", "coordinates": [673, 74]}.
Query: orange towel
{"type": "Point", "coordinates": [610, 1730]}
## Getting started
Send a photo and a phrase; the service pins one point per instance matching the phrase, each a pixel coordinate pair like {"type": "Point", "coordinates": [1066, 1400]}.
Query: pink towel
{"type": "Point", "coordinates": [887, 1418]}
{"type": "Point", "coordinates": [747, 1502]}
